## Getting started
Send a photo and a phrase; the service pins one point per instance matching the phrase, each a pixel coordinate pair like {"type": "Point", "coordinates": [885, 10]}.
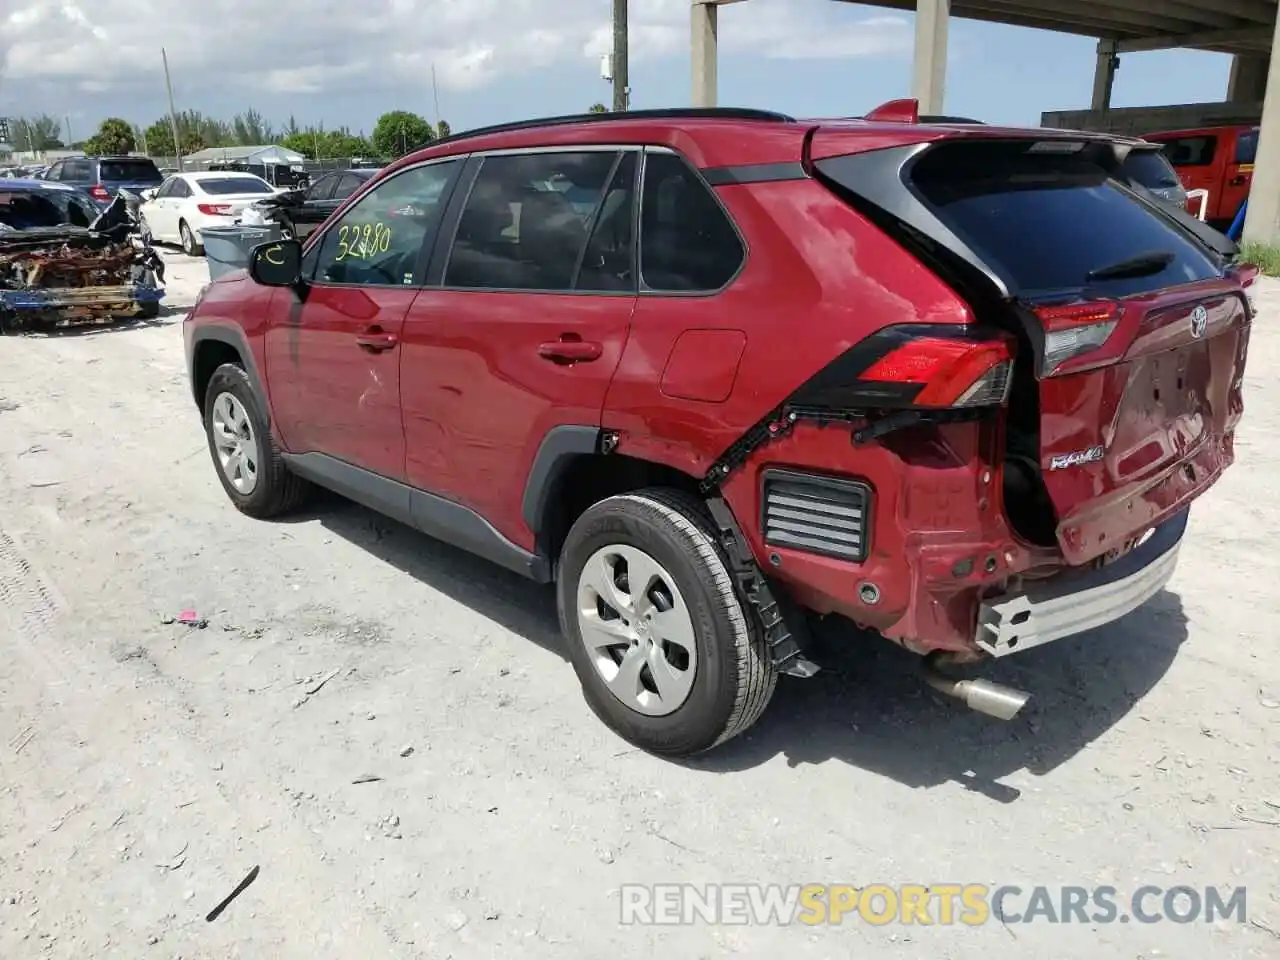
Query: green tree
{"type": "Point", "coordinates": [114, 138]}
{"type": "Point", "coordinates": [598, 108]}
{"type": "Point", "coordinates": [160, 136]}
{"type": "Point", "coordinates": [40, 132]}
{"type": "Point", "coordinates": [399, 132]}
{"type": "Point", "coordinates": [443, 129]}
{"type": "Point", "coordinates": [251, 129]}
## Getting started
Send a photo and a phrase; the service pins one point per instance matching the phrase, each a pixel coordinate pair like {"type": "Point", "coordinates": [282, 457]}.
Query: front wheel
{"type": "Point", "coordinates": [249, 465]}
{"type": "Point", "coordinates": [667, 654]}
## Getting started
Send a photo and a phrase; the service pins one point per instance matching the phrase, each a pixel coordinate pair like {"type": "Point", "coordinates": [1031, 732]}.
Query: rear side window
{"type": "Point", "coordinates": [1047, 222]}
{"type": "Point", "coordinates": [687, 243]}
{"type": "Point", "coordinates": [348, 185]}
{"type": "Point", "coordinates": [525, 224]}
{"type": "Point", "coordinates": [77, 170]}
{"type": "Point", "coordinates": [1151, 169]}
{"type": "Point", "coordinates": [1191, 151]}
{"type": "Point", "coordinates": [1247, 147]}
{"type": "Point", "coordinates": [139, 171]}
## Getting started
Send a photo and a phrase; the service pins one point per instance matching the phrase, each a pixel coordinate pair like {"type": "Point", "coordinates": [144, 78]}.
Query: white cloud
{"type": "Point", "coordinates": [318, 46]}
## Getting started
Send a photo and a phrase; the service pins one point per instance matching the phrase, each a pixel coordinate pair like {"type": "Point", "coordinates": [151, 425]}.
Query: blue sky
{"type": "Point", "coordinates": [508, 59]}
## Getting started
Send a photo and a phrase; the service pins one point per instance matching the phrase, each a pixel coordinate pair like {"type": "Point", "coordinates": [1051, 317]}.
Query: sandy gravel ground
{"type": "Point", "coordinates": [146, 767]}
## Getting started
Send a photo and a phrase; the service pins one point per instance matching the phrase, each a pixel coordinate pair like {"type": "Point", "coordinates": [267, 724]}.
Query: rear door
{"type": "Point", "coordinates": [1135, 335]}
{"type": "Point", "coordinates": [526, 327]}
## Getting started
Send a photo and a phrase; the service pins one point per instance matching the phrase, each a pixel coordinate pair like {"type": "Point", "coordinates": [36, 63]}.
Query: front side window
{"type": "Point", "coordinates": [379, 239]}
{"type": "Point", "coordinates": [348, 185]}
{"type": "Point", "coordinates": [687, 243]}
{"type": "Point", "coordinates": [526, 222]}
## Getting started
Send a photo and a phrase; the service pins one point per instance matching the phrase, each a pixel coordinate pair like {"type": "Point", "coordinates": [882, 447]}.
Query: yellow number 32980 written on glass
{"type": "Point", "coordinates": [362, 241]}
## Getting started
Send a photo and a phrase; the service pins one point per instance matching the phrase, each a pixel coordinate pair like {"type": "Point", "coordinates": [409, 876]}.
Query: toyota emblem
{"type": "Point", "coordinates": [1199, 320]}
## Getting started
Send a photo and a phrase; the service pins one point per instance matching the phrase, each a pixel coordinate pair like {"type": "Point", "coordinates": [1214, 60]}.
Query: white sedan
{"type": "Point", "coordinates": [187, 203]}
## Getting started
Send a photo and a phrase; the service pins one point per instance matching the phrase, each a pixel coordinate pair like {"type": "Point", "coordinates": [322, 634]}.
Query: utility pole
{"type": "Point", "coordinates": [70, 139]}
{"type": "Point", "coordinates": [621, 87]}
{"type": "Point", "coordinates": [173, 112]}
{"type": "Point", "coordinates": [435, 92]}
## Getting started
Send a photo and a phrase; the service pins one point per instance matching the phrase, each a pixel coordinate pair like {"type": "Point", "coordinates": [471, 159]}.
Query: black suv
{"type": "Point", "coordinates": [101, 177]}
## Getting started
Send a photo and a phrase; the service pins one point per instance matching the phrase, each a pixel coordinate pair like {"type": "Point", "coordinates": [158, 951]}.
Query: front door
{"type": "Point", "coordinates": [333, 351]}
{"type": "Point", "coordinates": [1239, 176]}
{"type": "Point", "coordinates": [526, 325]}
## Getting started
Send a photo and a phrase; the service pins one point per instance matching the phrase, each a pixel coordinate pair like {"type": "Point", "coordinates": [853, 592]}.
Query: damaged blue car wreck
{"type": "Point", "coordinates": [64, 260]}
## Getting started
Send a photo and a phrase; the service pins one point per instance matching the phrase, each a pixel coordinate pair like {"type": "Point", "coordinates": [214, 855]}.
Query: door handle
{"type": "Point", "coordinates": [570, 351]}
{"type": "Point", "coordinates": [375, 340]}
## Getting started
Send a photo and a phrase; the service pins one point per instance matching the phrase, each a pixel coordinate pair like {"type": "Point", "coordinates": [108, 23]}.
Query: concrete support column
{"type": "Point", "coordinates": [1263, 221]}
{"type": "Point", "coordinates": [705, 21]}
{"type": "Point", "coordinates": [929, 78]}
{"type": "Point", "coordinates": [1248, 83]}
{"type": "Point", "coordinates": [1104, 74]}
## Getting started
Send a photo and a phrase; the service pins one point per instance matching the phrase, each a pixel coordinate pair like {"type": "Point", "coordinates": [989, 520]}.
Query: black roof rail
{"type": "Point", "coordinates": [667, 113]}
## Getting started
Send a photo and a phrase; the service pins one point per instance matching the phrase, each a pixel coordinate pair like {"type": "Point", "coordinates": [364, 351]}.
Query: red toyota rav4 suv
{"type": "Point", "coordinates": [714, 371]}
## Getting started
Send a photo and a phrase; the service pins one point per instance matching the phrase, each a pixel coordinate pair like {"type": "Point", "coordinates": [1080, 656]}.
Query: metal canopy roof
{"type": "Point", "coordinates": [1225, 26]}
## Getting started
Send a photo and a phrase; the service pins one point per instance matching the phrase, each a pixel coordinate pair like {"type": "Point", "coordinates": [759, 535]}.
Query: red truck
{"type": "Point", "coordinates": [1218, 160]}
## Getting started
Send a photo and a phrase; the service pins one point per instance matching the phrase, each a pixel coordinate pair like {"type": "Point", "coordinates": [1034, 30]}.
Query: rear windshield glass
{"type": "Point", "coordinates": [1151, 169]}
{"type": "Point", "coordinates": [143, 171]}
{"type": "Point", "coordinates": [224, 186]}
{"type": "Point", "coordinates": [1046, 222]}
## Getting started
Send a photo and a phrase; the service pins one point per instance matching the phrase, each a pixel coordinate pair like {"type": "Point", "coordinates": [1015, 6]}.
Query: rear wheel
{"type": "Point", "coordinates": [667, 654]}
{"type": "Point", "coordinates": [247, 460]}
{"type": "Point", "coordinates": [190, 245]}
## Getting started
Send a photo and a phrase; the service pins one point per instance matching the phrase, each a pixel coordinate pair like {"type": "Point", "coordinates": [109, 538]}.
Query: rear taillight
{"type": "Point", "coordinates": [99, 192]}
{"type": "Point", "coordinates": [214, 209]}
{"type": "Point", "coordinates": [1075, 329]}
{"type": "Point", "coordinates": [950, 372]}
{"type": "Point", "coordinates": [1246, 274]}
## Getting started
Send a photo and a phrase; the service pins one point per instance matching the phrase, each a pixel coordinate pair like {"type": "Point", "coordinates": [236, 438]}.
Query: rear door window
{"type": "Point", "coordinates": [1047, 222]}
{"type": "Point", "coordinates": [1195, 151]}
{"type": "Point", "coordinates": [687, 242]}
{"type": "Point", "coordinates": [520, 228]}
{"type": "Point", "coordinates": [77, 170]}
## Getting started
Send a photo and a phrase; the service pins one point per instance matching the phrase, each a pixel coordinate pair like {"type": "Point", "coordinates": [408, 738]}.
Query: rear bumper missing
{"type": "Point", "coordinates": [1063, 606]}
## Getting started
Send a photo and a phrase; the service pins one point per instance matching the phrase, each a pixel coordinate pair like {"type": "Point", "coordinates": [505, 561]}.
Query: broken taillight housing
{"type": "Point", "coordinates": [1074, 329]}
{"type": "Point", "coordinates": [952, 372]}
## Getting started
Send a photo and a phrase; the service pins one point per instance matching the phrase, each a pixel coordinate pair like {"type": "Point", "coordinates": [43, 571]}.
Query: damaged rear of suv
{"type": "Point", "coordinates": [715, 371]}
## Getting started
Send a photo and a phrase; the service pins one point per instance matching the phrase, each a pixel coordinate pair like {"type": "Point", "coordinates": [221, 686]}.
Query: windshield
{"type": "Point", "coordinates": [1151, 169]}
{"type": "Point", "coordinates": [224, 186]}
{"type": "Point", "coordinates": [1047, 222]}
{"type": "Point", "coordinates": [138, 171]}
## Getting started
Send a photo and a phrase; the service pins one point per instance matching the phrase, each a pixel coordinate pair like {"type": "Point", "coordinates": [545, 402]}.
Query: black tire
{"type": "Point", "coordinates": [734, 677]}
{"type": "Point", "coordinates": [190, 245]}
{"type": "Point", "coordinates": [148, 310]}
{"type": "Point", "coordinates": [278, 490]}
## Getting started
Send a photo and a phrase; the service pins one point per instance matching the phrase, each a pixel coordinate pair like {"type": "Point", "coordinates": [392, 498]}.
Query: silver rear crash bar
{"type": "Point", "coordinates": [1049, 610]}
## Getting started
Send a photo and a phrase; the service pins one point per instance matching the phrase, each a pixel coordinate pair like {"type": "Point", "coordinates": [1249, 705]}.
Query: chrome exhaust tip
{"type": "Point", "coordinates": [982, 696]}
